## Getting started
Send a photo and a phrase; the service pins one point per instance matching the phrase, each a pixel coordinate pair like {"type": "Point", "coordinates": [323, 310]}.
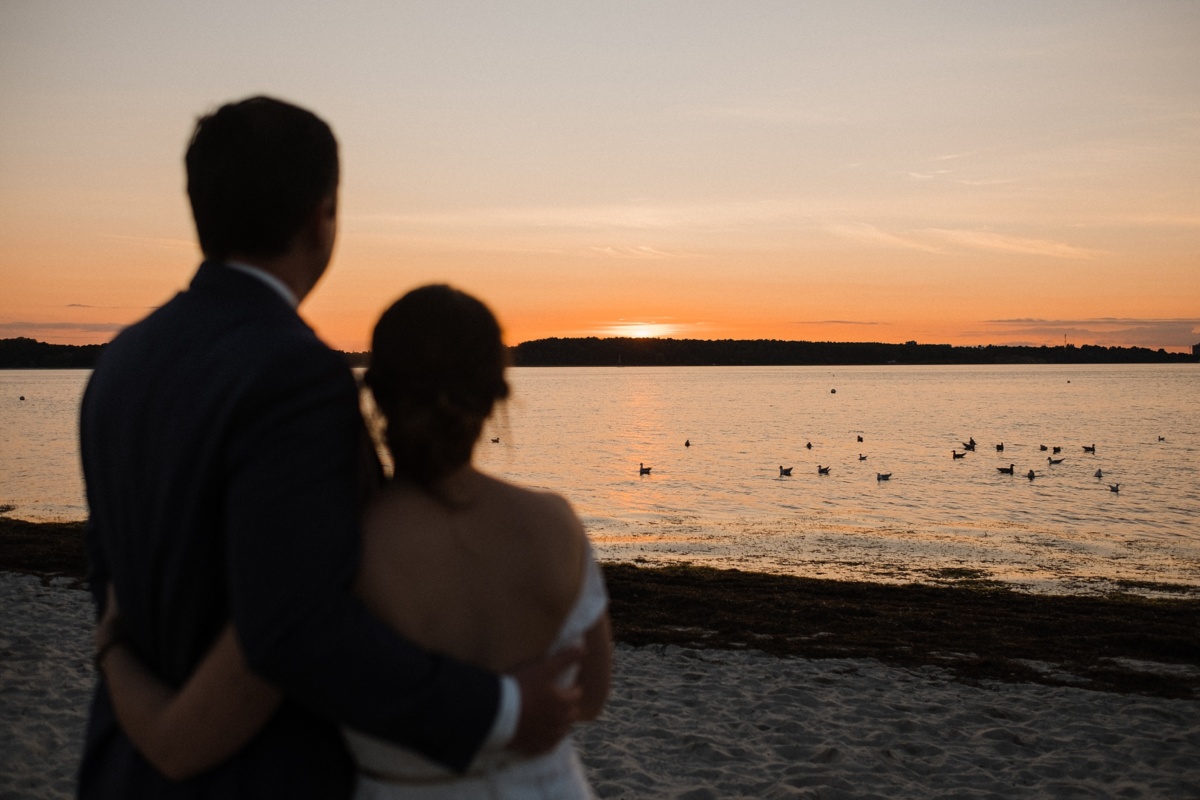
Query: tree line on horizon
{"type": "Point", "coordinates": [26, 353]}
{"type": "Point", "coordinates": [629, 352]}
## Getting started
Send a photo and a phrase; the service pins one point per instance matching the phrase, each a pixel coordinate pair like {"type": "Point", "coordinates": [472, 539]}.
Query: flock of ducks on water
{"type": "Point", "coordinates": [968, 447]}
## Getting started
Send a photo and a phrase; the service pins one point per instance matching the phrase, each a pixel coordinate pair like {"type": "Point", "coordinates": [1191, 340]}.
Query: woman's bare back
{"type": "Point", "coordinates": [487, 575]}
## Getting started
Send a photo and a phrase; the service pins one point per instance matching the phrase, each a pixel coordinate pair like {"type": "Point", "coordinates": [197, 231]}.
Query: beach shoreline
{"type": "Point", "coordinates": [732, 684]}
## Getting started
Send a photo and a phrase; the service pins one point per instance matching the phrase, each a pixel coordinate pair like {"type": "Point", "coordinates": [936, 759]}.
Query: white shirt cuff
{"type": "Point", "coordinates": [507, 716]}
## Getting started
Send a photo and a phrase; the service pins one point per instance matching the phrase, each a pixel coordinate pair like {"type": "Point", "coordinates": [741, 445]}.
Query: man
{"type": "Point", "coordinates": [222, 450]}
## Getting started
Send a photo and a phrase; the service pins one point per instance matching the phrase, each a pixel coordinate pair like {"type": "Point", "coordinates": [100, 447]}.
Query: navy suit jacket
{"type": "Point", "coordinates": [222, 445]}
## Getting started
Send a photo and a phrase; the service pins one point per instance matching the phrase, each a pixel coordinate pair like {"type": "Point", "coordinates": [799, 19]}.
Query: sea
{"type": "Point", "coordinates": [1125, 517]}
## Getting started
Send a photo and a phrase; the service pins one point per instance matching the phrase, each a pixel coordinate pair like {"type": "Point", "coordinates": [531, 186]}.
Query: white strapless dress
{"type": "Point", "coordinates": [494, 774]}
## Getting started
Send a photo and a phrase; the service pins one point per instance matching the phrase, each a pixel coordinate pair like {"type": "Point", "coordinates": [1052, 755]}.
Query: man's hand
{"type": "Point", "coordinates": [547, 710]}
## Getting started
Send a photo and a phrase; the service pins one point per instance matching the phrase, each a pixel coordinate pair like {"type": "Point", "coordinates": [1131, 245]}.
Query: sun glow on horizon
{"type": "Point", "coordinates": [639, 330]}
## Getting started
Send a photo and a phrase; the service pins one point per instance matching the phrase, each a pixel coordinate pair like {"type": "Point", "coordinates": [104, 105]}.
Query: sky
{"type": "Point", "coordinates": [1005, 172]}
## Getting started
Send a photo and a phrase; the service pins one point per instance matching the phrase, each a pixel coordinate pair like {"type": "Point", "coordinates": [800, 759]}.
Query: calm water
{"type": "Point", "coordinates": [583, 432]}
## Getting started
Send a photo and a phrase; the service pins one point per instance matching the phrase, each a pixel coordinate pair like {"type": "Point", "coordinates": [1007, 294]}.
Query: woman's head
{"type": "Point", "coordinates": [437, 369]}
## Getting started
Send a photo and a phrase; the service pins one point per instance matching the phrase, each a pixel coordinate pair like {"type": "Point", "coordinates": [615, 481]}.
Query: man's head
{"type": "Point", "coordinates": [257, 172]}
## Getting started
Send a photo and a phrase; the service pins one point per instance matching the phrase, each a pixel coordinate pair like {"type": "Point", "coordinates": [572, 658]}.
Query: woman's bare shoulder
{"type": "Point", "coordinates": [539, 507]}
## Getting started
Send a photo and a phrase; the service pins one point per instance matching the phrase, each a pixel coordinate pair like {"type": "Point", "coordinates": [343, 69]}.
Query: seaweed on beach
{"type": "Point", "coordinates": [978, 632]}
{"type": "Point", "coordinates": [49, 549]}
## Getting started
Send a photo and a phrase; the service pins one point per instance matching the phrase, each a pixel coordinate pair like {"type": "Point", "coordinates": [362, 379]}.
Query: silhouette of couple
{"type": "Point", "coordinates": [276, 620]}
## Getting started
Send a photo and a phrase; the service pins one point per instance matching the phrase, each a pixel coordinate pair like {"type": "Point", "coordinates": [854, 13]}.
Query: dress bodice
{"type": "Point", "coordinates": [391, 771]}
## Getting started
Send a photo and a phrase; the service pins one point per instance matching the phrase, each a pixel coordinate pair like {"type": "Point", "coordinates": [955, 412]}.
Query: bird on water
{"type": "Point", "coordinates": [687, 442]}
{"type": "Point", "coordinates": [1006, 470]}
{"type": "Point", "coordinates": [957, 454]}
{"type": "Point", "coordinates": [784, 471]}
{"type": "Point", "coordinates": [1114, 487]}
{"type": "Point", "coordinates": [822, 470]}
{"type": "Point", "coordinates": [1091, 449]}
{"type": "Point", "coordinates": [1053, 460]}
{"type": "Point", "coordinates": [643, 469]}
{"type": "Point", "coordinates": [883, 476]}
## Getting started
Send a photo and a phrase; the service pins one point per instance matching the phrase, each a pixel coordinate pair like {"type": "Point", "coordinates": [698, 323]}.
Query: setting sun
{"type": "Point", "coordinates": [638, 330]}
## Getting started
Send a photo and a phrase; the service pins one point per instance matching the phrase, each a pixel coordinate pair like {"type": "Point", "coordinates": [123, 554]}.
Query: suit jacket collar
{"type": "Point", "coordinates": [215, 276]}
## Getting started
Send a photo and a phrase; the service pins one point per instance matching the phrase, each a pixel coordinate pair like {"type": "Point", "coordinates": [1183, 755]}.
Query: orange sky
{"type": "Point", "coordinates": [945, 172]}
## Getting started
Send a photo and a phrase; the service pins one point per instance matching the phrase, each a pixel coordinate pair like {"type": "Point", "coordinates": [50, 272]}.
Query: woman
{"type": "Point", "coordinates": [458, 561]}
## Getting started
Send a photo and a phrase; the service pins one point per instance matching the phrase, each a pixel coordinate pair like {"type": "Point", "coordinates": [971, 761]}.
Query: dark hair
{"type": "Point", "coordinates": [255, 170]}
{"type": "Point", "coordinates": [437, 369]}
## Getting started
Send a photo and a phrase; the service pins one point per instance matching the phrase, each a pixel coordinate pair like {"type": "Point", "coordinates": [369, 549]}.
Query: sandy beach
{"type": "Point", "coordinates": [710, 723]}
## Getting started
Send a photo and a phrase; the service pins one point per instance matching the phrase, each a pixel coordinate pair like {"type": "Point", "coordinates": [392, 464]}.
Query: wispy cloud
{"type": "Point", "coordinates": [1176, 333]}
{"type": "Point", "coordinates": [951, 156]}
{"type": "Point", "coordinates": [615, 216]}
{"type": "Point", "coordinates": [927, 176]}
{"type": "Point", "coordinates": [118, 308]}
{"type": "Point", "coordinates": [19, 328]}
{"type": "Point", "coordinates": [989, 240]}
{"type": "Point", "coordinates": [169, 243]}
{"type": "Point", "coordinates": [869, 233]}
{"type": "Point", "coordinates": [640, 251]}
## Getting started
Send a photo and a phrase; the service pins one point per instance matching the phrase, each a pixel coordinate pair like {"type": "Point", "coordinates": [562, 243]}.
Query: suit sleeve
{"type": "Point", "coordinates": [293, 550]}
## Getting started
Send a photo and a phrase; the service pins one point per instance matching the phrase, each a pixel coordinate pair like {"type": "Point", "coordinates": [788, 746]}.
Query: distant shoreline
{"type": "Point", "coordinates": [24, 353]}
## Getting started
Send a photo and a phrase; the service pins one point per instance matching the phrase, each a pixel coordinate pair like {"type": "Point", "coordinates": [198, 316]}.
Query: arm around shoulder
{"type": "Point", "coordinates": [183, 733]}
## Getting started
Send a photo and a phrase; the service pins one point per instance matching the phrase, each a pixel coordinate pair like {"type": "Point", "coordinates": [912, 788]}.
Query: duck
{"type": "Point", "coordinates": [883, 476]}
{"type": "Point", "coordinates": [1043, 448]}
{"type": "Point", "coordinates": [808, 445]}
{"type": "Point", "coordinates": [687, 442]}
{"type": "Point", "coordinates": [957, 454]}
{"type": "Point", "coordinates": [1053, 460]}
{"type": "Point", "coordinates": [1161, 438]}
{"type": "Point", "coordinates": [1031, 474]}
{"type": "Point", "coordinates": [861, 457]}
{"type": "Point", "coordinates": [495, 440]}
{"type": "Point", "coordinates": [784, 471]}
{"type": "Point", "coordinates": [643, 469]}
{"type": "Point", "coordinates": [1006, 470]}
{"type": "Point", "coordinates": [1114, 487]}
{"type": "Point", "coordinates": [1099, 474]}
{"type": "Point", "coordinates": [1091, 449]}
{"type": "Point", "coordinates": [1000, 447]}
{"type": "Point", "coordinates": [969, 445]}
{"type": "Point", "coordinates": [822, 470]}
{"type": "Point", "coordinates": [860, 438]}
{"type": "Point", "coordinates": [1056, 450]}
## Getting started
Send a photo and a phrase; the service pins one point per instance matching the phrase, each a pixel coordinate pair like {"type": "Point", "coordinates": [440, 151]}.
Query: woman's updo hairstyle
{"type": "Point", "coordinates": [437, 368]}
